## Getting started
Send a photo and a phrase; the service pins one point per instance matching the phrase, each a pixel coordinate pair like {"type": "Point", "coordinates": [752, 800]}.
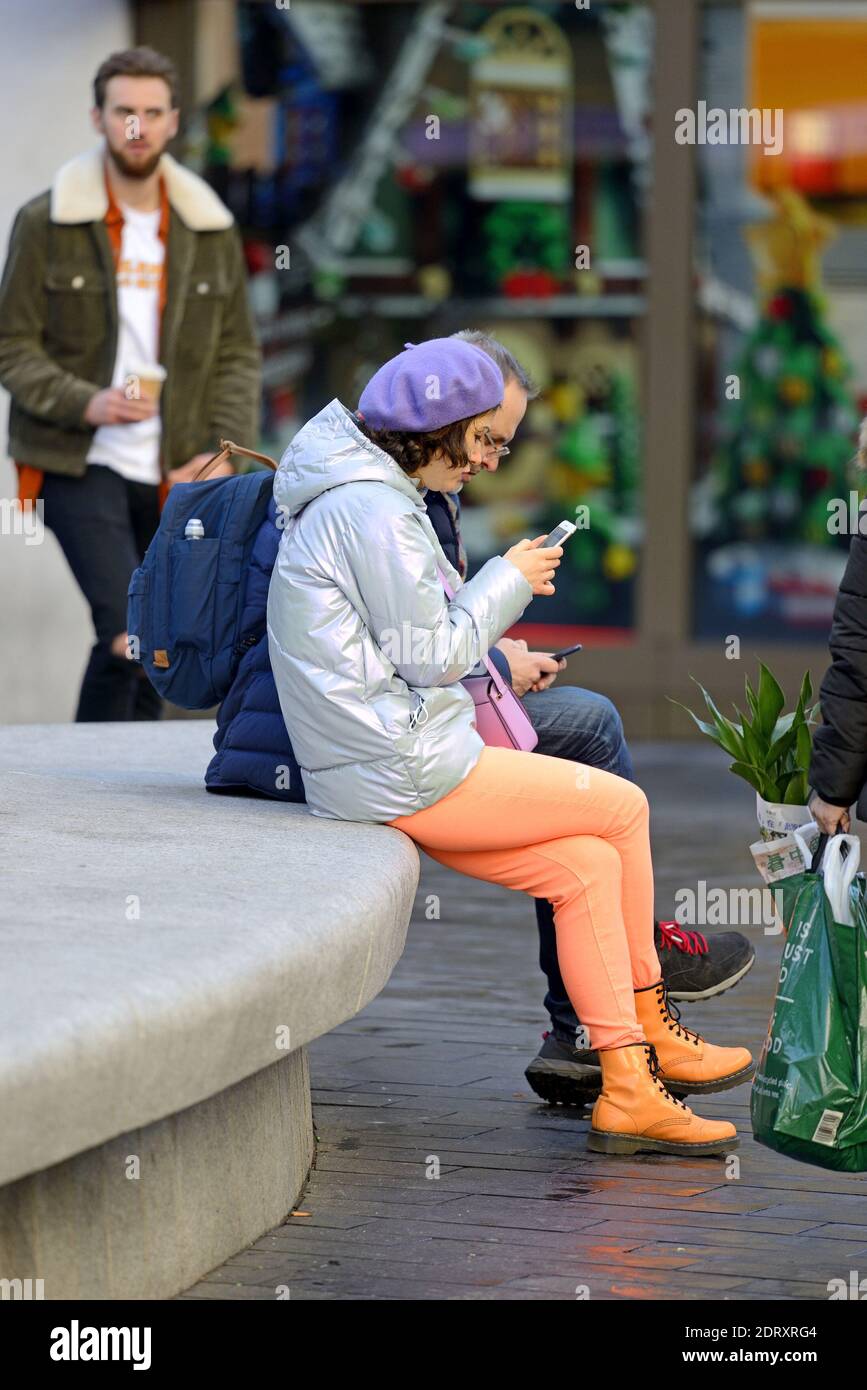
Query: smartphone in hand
{"type": "Point", "coordinates": [567, 651]}
{"type": "Point", "coordinates": [559, 535]}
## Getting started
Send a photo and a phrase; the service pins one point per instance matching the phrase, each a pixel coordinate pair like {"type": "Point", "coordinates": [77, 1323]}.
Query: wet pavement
{"type": "Point", "coordinates": [439, 1175]}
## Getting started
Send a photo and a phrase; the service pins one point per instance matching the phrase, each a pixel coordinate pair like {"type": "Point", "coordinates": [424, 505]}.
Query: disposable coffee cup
{"type": "Point", "coordinates": [144, 381]}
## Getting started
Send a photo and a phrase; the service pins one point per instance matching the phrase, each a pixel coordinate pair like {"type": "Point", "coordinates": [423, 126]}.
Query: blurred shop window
{"type": "Point", "coordinates": [782, 276]}
{"type": "Point", "coordinates": [402, 171]}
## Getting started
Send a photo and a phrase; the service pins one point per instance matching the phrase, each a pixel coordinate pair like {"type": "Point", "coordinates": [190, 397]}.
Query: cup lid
{"type": "Point", "coordinates": [151, 371]}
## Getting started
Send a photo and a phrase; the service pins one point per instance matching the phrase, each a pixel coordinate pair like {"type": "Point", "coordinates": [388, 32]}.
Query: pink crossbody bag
{"type": "Point", "coordinates": [501, 721]}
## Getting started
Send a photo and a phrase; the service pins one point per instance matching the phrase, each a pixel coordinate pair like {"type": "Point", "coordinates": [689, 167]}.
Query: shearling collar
{"type": "Point", "coordinates": [78, 194]}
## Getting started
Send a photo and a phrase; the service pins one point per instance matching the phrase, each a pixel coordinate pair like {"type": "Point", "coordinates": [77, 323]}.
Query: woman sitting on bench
{"type": "Point", "coordinates": [368, 655]}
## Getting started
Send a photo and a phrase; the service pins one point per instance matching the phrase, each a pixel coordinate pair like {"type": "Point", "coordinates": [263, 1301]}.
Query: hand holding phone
{"type": "Point", "coordinates": [534, 560]}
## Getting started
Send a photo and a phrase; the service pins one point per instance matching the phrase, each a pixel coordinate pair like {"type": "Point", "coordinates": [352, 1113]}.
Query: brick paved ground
{"type": "Point", "coordinates": [433, 1069]}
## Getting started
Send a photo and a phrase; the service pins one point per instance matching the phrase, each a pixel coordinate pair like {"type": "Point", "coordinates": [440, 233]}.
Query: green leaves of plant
{"type": "Point", "coordinates": [723, 732]}
{"type": "Point", "coordinates": [770, 701]}
{"type": "Point", "coordinates": [771, 750]}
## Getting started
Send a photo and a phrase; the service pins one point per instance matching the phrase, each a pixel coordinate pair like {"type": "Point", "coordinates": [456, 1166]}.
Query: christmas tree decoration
{"type": "Point", "coordinates": [619, 562]}
{"type": "Point", "coordinates": [793, 423]}
{"type": "Point", "coordinates": [787, 249]}
{"type": "Point", "coordinates": [767, 360]}
{"type": "Point", "coordinates": [795, 389]}
{"type": "Point", "coordinates": [582, 447]}
{"type": "Point", "coordinates": [526, 247]}
{"type": "Point", "coordinates": [566, 400]}
{"type": "Point", "coordinates": [520, 110]}
{"type": "Point", "coordinates": [790, 432]}
{"type": "Point", "coordinates": [434, 281]}
{"type": "Point", "coordinates": [596, 472]}
{"type": "Point", "coordinates": [577, 456]}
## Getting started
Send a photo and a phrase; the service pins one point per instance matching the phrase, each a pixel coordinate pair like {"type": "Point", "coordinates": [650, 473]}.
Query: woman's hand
{"type": "Point", "coordinates": [536, 564]}
{"type": "Point", "coordinates": [829, 818]}
{"type": "Point", "coordinates": [529, 670]}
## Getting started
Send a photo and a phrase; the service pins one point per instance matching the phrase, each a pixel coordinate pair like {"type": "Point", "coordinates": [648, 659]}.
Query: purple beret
{"type": "Point", "coordinates": [432, 384]}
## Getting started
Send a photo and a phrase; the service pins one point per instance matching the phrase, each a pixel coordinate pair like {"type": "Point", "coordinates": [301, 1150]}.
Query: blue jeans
{"type": "Point", "coordinates": [581, 725]}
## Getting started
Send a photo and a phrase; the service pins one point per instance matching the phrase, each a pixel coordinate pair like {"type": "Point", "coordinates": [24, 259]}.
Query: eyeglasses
{"type": "Point", "coordinates": [498, 450]}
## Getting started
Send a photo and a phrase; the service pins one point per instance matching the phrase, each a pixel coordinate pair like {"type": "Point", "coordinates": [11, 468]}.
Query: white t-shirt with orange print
{"type": "Point", "coordinates": [133, 450]}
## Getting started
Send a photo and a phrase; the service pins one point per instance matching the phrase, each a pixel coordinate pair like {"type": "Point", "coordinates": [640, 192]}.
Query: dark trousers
{"type": "Point", "coordinates": [104, 523]}
{"type": "Point", "coordinates": [581, 725]}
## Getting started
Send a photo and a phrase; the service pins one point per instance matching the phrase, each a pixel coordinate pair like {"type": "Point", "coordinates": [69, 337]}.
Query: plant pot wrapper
{"type": "Point", "coordinates": [777, 820]}
{"type": "Point", "coordinates": [780, 858]}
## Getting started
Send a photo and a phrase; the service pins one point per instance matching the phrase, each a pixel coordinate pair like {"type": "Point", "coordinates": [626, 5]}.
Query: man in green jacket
{"type": "Point", "coordinates": [127, 347]}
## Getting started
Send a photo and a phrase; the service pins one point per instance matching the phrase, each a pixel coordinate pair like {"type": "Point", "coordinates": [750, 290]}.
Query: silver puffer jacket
{"type": "Point", "coordinates": [366, 650]}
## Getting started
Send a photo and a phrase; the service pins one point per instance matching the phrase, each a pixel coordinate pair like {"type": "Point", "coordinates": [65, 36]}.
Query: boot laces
{"type": "Point", "coordinates": [655, 1069]}
{"type": "Point", "coordinates": [692, 943]}
{"type": "Point", "coordinates": [671, 1015]}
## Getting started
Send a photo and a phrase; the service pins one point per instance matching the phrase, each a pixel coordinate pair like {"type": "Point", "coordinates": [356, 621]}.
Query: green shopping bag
{"type": "Point", "coordinates": [809, 1095]}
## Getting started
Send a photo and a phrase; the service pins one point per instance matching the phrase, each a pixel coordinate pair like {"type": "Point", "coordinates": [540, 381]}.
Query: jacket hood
{"type": "Point", "coordinates": [331, 450]}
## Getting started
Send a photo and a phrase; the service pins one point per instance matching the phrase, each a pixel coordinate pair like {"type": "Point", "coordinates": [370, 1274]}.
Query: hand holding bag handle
{"type": "Point", "coordinates": [501, 719]}
{"type": "Point", "coordinates": [224, 453]}
{"type": "Point", "coordinates": [804, 836]}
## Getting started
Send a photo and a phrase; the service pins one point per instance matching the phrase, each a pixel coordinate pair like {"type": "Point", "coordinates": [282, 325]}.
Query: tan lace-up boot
{"type": "Point", "coordinates": [686, 1062]}
{"type": "Point", "coordinates": [635, 1113]}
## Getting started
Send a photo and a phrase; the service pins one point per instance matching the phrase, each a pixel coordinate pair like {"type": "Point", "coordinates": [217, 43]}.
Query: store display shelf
{"type": "Point", "coordinates": [554, 306]}
{"type": "Point", "coordinates": [294, 323]}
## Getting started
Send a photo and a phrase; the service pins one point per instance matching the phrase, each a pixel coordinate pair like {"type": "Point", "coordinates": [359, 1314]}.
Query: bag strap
{"type": "Point", "coordinates": [842, 856]}
{"type": "Point", "coordinates": [819, 854]}
{"type": "Point", "coordinates": [224, 453]}
{"type": "Point", "coordinates": [501, 685]}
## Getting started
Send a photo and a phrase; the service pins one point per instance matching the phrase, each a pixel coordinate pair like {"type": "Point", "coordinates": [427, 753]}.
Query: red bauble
{"type": "Point", "coordinates": [530, 284]}
{"type": "Point", "coordinates": [818, 478]}
{"type": "Point", "coordinates": [780, 307]}
{"type": "Point", "coordinates": [413, 178]}
{"type": "Point", "coordinates": [258, 257]}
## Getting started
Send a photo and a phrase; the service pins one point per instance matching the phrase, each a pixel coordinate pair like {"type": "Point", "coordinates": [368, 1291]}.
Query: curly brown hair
{"type": "Point", "coordinates": [412, 451]}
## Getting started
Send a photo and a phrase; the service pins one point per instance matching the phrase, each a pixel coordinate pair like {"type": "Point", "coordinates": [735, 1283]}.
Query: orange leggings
{"type": "Point", "coordinates": [578, 836]}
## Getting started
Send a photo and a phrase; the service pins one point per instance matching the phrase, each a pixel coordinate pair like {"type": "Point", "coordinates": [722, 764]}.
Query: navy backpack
{"type": "Point", "coordinates": [186, 599]}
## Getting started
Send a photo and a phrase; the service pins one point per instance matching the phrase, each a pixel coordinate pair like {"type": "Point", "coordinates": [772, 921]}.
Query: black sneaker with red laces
{"type": "Point", "coordinates": [694, 966]}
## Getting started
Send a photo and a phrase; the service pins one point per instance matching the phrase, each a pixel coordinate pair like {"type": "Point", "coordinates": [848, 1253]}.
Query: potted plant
{"type": "Point", "coordinates": [771, 751]}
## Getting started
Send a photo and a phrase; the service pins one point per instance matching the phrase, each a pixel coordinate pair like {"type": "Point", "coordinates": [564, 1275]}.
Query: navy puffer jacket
{"type": "Point", "coordinates": [254, 755]}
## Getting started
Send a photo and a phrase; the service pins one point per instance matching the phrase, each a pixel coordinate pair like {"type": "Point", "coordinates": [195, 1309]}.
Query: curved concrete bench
{"type": "Point", "coordinates": [166, 956]}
